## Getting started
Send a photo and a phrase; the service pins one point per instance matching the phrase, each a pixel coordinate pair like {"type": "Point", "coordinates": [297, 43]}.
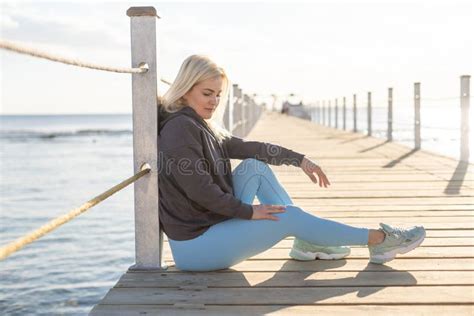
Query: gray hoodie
{"type": "Point", "coordinates": [195, 176]}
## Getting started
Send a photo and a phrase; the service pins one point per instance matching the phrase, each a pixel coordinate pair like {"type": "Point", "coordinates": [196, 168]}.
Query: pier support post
{"type": "Point", "coordinates": [465, 95]}
{"type": "Point", "coordinates": [390, 115]}
{"type": "Point", "coordinates": [229, 111]}
{"type": "Point", "coordinates": [369, 114]}
{"type": "Point", "coordinates": [324, 113]}
{"type": "Point", "coordinates": [148, 235]}
{"type": "Point", "coordinates": [329, 113]}
{"type": "Point", "coordinates": [354, 109]}
{"type": "Point", "coordinates": [417, 116]}
{"type": "Point", "coordinates": [337, 111]}
{"type": "Point", "coordinates": [344, 113]}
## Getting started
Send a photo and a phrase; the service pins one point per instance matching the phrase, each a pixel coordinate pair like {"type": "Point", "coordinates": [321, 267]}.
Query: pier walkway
{"type": "Point", "coordinates": [372, 181]}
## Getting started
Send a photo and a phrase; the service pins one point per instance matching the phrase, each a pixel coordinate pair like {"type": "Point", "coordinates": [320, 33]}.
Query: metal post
{"type": "Point", "coordinates": [329, 113]}
{"type": "Point", "coordinates": [390, 115]}
{"type": "Point", "coordinates": [237, 110]}
{"type": "Point", "coordinates": [230, 110]}
{"type": "Point", "coordinates": [417, 116]}
{"type": "Point", "coordinates": [465, 95]}
{"type": "Point", "coordinates": [244, 114]}
{"type": "Point", "coordinates": [148, 236]}
{"type": "Point", "coordinates": [344, 113]}
{"type": "Point", "coordinates": [336, 111]}
{"type": "Point", "coordinates": [354, 109]}
{"type": "Point", "coordinates": [324, 112]}
{"type": "Point", "coordinates": [318, 112]}
{"type": "Point", "coordinates": [369, 114]}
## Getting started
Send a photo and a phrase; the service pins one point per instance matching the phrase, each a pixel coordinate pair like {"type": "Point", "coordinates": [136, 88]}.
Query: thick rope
{"type": "Point", "coordinates": [33, 52]}
{"type": "Point", "coordinates": [41, 54]}
{"type": "Point", "coordinates": [16, 245]}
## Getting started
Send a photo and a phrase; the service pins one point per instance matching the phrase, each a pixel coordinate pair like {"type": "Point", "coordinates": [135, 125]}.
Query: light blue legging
{"type": "Point", "coordinates": [232, 241]}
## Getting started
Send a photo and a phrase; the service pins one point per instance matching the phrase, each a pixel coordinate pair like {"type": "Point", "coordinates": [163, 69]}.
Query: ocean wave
{"type": "Point", "coordinates": [30, 134]}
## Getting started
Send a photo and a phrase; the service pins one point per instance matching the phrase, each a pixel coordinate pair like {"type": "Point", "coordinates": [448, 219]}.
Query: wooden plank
{"type": "Point", "coordinates": [465, 220]}
{"type": "Point", "coordinates": [323, 310]}
{"type": "Point", "coordinates": [428, 242]}
{"type": "Point", "coordinates": [362, 252]}
{"type": "Point", "coordinates": [297, 279]}
{"type": "Point", "coordinates": [341, 194]}
{"type": "Point", "coordinates": [420, 252]}
{"type": "Point", "coordinates": [395, 213]}
{"type": "Point", "coordinates": [293, 295]}
{"type": "Point", "coordinates": [392, 202]}
{"type": "Point", "coordinates": [448, 209]}
{"type": "Point", "coordinates": [351, 264]}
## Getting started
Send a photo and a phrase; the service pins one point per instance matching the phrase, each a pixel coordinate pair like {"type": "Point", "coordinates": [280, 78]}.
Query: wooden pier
{"type": "Point", "coordinates": [372, 181]}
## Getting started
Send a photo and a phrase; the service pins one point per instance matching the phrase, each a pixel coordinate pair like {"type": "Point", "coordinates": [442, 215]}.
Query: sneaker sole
{"type": "Point", "coordinates": [390, 255]}
{"type": "Point", "coordinates": [308, 256]}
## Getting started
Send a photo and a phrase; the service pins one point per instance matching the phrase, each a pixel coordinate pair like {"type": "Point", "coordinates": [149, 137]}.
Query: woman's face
{"type": "Point", "coordinates": [204, 96]}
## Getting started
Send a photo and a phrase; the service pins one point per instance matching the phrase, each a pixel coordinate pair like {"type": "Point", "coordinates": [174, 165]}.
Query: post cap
{"type": "Point", "coordinates": [142, 11]}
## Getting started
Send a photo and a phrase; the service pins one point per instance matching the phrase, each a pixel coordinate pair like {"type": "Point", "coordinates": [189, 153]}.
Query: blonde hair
{"type": "Point", "coordinates": [195, 69]}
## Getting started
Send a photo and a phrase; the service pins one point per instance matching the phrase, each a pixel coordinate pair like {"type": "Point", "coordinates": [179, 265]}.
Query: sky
{"type": "Point", "coordinates": [317, 50]}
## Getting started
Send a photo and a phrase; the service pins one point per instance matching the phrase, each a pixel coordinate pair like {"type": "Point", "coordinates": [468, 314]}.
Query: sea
{"type": "Point", "coordinates": [51, 164]}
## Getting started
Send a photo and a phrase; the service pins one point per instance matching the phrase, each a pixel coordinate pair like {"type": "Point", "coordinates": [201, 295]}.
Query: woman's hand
{"type": "Point", "coordinates": [310, 168]}
{"type": "Point", "coordinates": [262, 211]}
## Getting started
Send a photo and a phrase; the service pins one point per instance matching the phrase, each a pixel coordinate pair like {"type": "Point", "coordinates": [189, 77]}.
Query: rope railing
{"type": "Point", "coordinates": [22, 49]}
{"type": "Point", "coordinates": [16, 245]}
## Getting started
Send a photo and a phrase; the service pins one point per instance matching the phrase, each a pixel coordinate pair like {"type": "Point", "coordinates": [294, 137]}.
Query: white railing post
{"type": "Point", "coordinates": [417, 116]}
{"type": "Point", "coordinates": [344, 113]}
{"type": "Point", "coordinates": [390, 115]}
{"type": "Point", "coordinates": [318, 112]}
{"type": "Point", "coordinates": [228, 114]}
{"type": "Point", "coordinates": [354, 109]}
{"type": "Point", "coordinates": [324, 113]}
{"type": "Point", "coordinates": [148, 236]}
{"type": "Point", "coordinates": [465, 95]}
{"type": "Point", "coordinates": [337, 111]}
{"type": "Point", "coordinates": [329, 113]}
{"type": "Point", "coordinates": [369, 114]}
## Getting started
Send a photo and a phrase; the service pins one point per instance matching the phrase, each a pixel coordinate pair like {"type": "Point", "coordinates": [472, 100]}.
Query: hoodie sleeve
{"type": "Point", "coordinates": [184, 161]}
{"type": "Point", "coordinates": [238, 148]}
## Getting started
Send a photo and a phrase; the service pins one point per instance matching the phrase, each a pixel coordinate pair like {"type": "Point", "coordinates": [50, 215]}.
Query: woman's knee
{"type": "Point", "coordinates": [251, 165]}
{"type": "Point", "coordinates": [290, 214]}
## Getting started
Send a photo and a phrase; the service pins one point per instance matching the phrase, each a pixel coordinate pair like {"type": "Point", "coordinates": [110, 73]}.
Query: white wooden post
{"type": "Point", "coordinates": [237, 127]}
{"type": "Point", "coordinates": [329, 113]}
{"type": "Point", "coordinates": [344, 113]}
{"type": "Point", "coordinates": [465, 95]}
{"type": "Point", "coordinates": [354, 109]}
{"type": "Point", "coordinates": [148, 237]}
{"type": "Point", "coordinates": [318, 112]}
{"type": "Point", "coordinates": [337, 111]}
{"type": "Point", "coordinates": [390, 115]}
{"type": "Point", "coordinates": [229, 111]}
{"type": "Point", "coordinates": [417, 116]}
{"type": "Point", "coordinates": [324, 113]}
{"type": "Point", "coordinates": [369, 113]}
{"type": "Point", "coordinates": [248, 109]}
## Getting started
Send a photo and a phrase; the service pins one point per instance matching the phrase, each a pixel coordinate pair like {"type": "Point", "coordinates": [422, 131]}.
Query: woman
{"type": "Point", "coordinates": [206, 208]}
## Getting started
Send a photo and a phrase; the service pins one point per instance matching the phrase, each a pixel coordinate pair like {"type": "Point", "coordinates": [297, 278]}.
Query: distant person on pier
{"type": "Point", "coordinates": [206, 208]}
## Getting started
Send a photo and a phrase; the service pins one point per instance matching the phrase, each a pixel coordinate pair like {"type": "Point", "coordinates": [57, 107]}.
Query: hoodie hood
{"type": "Point", "coordinates": [164, 117]}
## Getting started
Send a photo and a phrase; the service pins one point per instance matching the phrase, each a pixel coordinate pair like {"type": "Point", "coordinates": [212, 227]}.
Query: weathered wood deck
{"type": "Point", "coordinates": [372, 181]}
